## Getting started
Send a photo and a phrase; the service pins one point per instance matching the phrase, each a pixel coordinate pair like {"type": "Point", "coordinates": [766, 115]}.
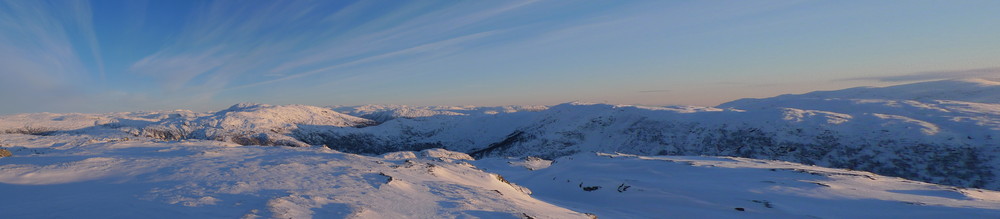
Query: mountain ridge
{"type": "Point", "coordinates": [785, 157]}
{"type": "Point", "coordinates": [940, 140]}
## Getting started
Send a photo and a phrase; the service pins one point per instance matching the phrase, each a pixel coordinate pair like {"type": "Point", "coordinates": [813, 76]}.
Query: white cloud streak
{"type": "Point", "coordinates": [403, 52]}
{"type": "Point", "coordinates": [228, 45]}
{"type": "Point", "coordinates": [935, 75]}
{"type": "Point", "coordinates": [40, 69]}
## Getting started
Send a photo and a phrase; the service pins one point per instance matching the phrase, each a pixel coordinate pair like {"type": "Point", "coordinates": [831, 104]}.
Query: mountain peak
{"type": "Point", "coordinates": [245, 106]}
{"type": "Point", "coordinates": [979, 81]}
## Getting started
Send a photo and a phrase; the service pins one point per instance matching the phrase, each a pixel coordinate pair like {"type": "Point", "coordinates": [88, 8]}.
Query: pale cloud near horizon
{"type": "Point", "coordinates": [934, 75]}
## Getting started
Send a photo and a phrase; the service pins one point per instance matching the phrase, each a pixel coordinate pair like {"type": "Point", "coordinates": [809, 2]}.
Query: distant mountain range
{"type": "Point", "coordinates": [945, 132]}
{"type": "Point", "coordinates": [757, 158]}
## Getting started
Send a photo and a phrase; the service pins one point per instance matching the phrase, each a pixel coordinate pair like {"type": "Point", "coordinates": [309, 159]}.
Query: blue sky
{"type": "Point", "coordinates": [101, 56]}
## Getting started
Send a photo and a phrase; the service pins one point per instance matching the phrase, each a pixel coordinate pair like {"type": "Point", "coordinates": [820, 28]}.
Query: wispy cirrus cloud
{"type": "Point", "coordinates": [175, 70]}
{"type": "Point", "coordinates": [203, 55]}
{"type": "Point", "coordinates": [53, 51]}
{"type": "Point", "coordinates": [44, 47]}
{"type": "Point", "coordinates": [654, 91]}
{"type": "Point", "coordinates": [419, 49]}
{"type": "Point", "coordinates": [228, 45]}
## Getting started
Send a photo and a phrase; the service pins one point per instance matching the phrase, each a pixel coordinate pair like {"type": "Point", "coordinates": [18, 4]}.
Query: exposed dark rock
{"type": "Point", "coordinates": [526, 216]}
{"type": "Point", "coordinates": [31, 130]}
{"type": "Point", "coordinates": [591, 188]}
{"type": "Point", "coordinates": [512, 138]}
{"type": "Point", "coordinates": [623, 187]}
{"type": "Point", "coordinates": [767, 204]}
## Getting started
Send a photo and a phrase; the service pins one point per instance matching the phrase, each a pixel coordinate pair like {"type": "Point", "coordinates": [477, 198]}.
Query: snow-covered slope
{"type": "Point", "coordinates": [628, 186]}
{"type": "Point", "coordinates": [209, 179]}
{"type": "Point", "coordinates": [955, 147]}
{"type": "Point", "coordinates": [244, 123]}
{"type": "Point", "coordinates": [382, 113]}
{"type": "Point", "coordinates": [66, 176]}
{"type": "Point", "coordinates": [251, 117]}
{"type": "Point", "coordinates": [37, 123]}
{"type": "Point", "coordinates": [262, 124]}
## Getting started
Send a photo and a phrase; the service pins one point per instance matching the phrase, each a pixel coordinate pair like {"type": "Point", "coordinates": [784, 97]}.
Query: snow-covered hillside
{"type": "Point", "coordinates": [950, 141]}
{"type": "Point", "coordinates": [81, 177]}
{"type": "Point", "coordinates": [198, 179]}
{"type": "Point", "coordinates": [259, 124]}
{"type": "Point", "coordinates": [629, 186]}
{"type": "Point", "coordinates": [382, 113]}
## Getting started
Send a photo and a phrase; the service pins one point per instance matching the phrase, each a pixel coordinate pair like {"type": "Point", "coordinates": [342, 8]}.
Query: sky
{"type": "Point", "coordinates": [131, 55]}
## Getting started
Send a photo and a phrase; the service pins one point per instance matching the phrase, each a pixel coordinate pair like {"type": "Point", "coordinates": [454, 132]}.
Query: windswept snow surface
{"type": "Point", "coordinates": [210, 179]}
{"type": "Point", "coordinates": [67, 177]}
{"type": "Point", "coordinates": [629, 186]}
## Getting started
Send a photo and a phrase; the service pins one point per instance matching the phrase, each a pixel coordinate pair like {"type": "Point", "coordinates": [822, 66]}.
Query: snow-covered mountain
{"type": "Point", "coordinates": [382, 113]}
{"type": "Point", "coordinates": [977, 90]}
{"type": "Point", "coordinates": [943, 132]}
{"type": "Point", "coordinates": [917, 135]}
{"type": "Point", "coordinates": [254, 124]}
{"type": "Point", "coordinates": [921, 131]}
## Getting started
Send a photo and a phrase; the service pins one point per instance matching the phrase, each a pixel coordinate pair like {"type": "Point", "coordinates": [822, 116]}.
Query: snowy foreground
{"type": "Point", "coordinates": [121, 178]}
